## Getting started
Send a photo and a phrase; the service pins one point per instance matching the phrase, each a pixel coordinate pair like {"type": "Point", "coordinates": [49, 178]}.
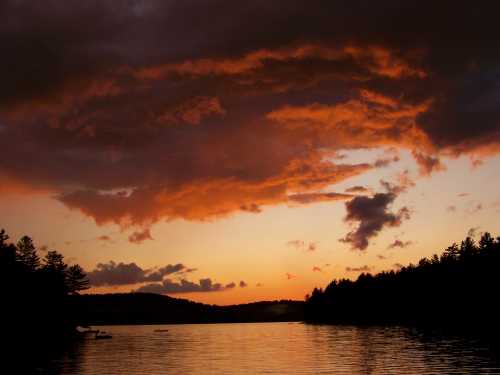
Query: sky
{"type": "Point", "coordinates": [230, 152]}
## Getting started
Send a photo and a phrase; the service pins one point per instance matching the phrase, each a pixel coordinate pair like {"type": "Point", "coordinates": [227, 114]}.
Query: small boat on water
{"type": "Point", "coordinates": [86, 330]}
{"type": "Point", "coordinates": [161, 330]}
{"type": "Point", "coordinates": [94, 331]}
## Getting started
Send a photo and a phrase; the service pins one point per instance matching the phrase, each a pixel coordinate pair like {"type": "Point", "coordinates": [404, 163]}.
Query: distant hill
{"type": "Point", "coordinates": [146, 308]}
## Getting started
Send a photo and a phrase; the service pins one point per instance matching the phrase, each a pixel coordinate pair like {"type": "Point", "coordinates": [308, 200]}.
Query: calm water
{"type": "Point", "coordinates": [273, 348]}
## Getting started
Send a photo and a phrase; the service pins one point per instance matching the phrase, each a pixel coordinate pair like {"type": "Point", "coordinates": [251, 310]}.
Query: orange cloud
{"type": "Point", "coordinates": [427, 163]}
{"type": "Point", "coordinates": [368, 121]}
{"type": "Point", "coordinates": [193, 111]}
{"type": "Point", "coordinates": [139, 237]}
{"type": "Point", "coordinates": [212, 199]}
{"type": "Point", "coordinates": [104, 115]}
{"type": "Point", "coordinates": [375, 59]}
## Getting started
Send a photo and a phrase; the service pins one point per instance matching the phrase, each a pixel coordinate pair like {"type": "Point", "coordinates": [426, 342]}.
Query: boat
{"type": "Point", "coordinates": [161, 330]}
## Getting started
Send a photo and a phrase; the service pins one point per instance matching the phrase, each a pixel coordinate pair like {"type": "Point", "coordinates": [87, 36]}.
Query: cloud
{"type": "Point", "coordinates": [230, 285]}
{"type": "Point", "coordinates": [104, 237]}
{"type": "Point", "coordinates": [226, 196]}
{"type": "Point", "coordinates": [243, 284]}
{"type": "Point", "coordinates": [317, 269]}
{"type": "Point", "coordinates": [290, 276]}
{"type": "Point", "coordinates": [303, 245]}
{"type": "Point", "coordinates": [451, 208]}
{"type": "Point", "coordinates": [193, 111]}
{"type": "Point", "coordinates": [384, 162]}
{"type": "Point", "coordinates": [400, 244]}
{"type": "Point", "coordinates": [299, 244]}
{"type": "Point", "coordinates": [307, 198]}
{"type": "Point", "coordinates": [371, 215]}
{"type": "Point", "coordinates": [173, 116]}
{"type": "Point", "coordinates": [312, 246]}
{"type": "Point", "coordinates": [427, 163]}
{"type": "Point", "coordinates": [358, 122]}
{"type": "Point", "coordinates": [374, 60]}
{"type": "Point", "coordinates": [189, 270]}
{"type": "Point", "coordinates": [113, 274]}
{"type": "Point", "coordinates": [358, 269]}
{"type": "Point", "coordinates": [168, 286]}
{"type": "Point", "coordinates": [139, 237]}
{"type": "Point", "coordinates": [358, 189]}
{"type": "Point", "coordinates": [475, 208]}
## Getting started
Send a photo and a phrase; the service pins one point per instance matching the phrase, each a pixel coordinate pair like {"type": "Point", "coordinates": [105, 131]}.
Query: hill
{"type": "Point", "coordinates": [146, 308]}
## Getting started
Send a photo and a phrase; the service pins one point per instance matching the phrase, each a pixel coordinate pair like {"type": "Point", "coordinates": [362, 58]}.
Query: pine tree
{"type": "Point", "coordinates": [54, 262]}
{"type": "Point", "coordinates": [26, 253]}
{"type": "Point", "coordinates": [76, 279]}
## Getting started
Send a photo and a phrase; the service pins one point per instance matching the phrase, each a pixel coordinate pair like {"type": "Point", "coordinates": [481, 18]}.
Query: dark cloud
{"type": "Point", "coordinates": [140, 236]}
{"type": "Point", "coordinates": [307, 198]}
{"type": "Point", "coordinates": [230, 285]}
{"type": "Point", "coordinates": [128, 89]}
{"type": "Point", "coordinates": [129, 273]}
{"type": "Point", "coordinates": [189, 270]}
{"type": "Point", "coordinates": [243, 284]}
{"type": "Point", "coordinates": [168, 286]}
{"type": "Point", "coordinates": [358, 269]}
{"type": "Point", "coordinates": [384, 162]}
{"type": "Point", "coordinates": [317, 269]}
{"type": "Point", "coordinates": [400, 244]}
{"type": "Point", "coordinates": [371, 215]}
{"type": "Point", "coordinates": [357, 189]}
{"type": "Point", "coordinates": [451, 208]}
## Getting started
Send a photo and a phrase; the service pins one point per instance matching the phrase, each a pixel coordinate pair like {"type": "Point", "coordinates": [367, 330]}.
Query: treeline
{"type": "Point", "coordinates": [35, 292]}
{"type": "Point", "coordinates": [459, 289]}
{"type": "Point", "coordinates": [146, 308]}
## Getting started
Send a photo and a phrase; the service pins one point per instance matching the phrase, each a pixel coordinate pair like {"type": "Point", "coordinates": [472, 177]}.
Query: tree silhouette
{"type": "Point", "coordinates": [27, 253]}
{"type": "Point", "coordinates": [36, 294]}
{"type": "Point", "coordinates": [456, 289]}
{"type": "Point", "coordinates": [76, 279]}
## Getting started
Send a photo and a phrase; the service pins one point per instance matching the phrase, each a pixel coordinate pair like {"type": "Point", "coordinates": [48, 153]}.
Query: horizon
{"type": "Point", "coordinates": [232, 162]}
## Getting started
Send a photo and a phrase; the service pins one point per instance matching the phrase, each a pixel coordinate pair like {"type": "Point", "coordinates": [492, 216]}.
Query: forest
{"type": "Point", "coordinates": [456, 290]}
{"type": "Point", "coordinates": [37, 313]}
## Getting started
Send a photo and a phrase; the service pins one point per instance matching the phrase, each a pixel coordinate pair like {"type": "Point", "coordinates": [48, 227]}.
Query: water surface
{"type": "Point", "coordinates": [274, 348]}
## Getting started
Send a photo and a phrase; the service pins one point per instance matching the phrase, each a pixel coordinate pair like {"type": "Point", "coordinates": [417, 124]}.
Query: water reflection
{"type": "Point", "coordinates": [274, 348]}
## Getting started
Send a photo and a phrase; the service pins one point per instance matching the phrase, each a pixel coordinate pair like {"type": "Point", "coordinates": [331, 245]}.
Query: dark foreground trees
{"type": "Point", "coordinates": [34, 291]}
{"type": "Point", "coordinates": [459, 289]}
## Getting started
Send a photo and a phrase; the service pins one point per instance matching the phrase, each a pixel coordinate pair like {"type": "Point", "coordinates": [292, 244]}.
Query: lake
{"type": "Point", "coordinates": [273, 348]}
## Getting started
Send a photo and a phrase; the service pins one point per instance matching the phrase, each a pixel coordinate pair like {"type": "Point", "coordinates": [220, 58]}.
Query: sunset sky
{"type": "Point", "coordinates": [232, 151]}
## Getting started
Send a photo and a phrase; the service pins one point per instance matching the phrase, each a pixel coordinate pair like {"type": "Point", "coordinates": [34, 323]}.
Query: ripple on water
{"type": "Point", "coordinates": [274, 348]}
